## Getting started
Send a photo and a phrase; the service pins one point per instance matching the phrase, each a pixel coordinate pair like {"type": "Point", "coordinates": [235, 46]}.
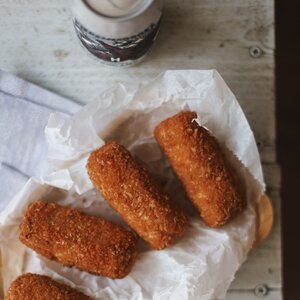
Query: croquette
{"type": "Point", "coordinates": [39, 287]}
{"type": "Point", "coordinates": [199, 162]}
{"type": "Point", "coordinates": [136, 196]}
{"type": "Point", "coordinates": [73, 238]}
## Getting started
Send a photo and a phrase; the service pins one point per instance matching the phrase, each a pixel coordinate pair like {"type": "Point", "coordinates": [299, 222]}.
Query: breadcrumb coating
{"type": "Point", "coordinates": [136, 196]}
{"type": "Point", "coordinates": [39, 287]}
{"type": "Point", "coordinates": [200, 164]}
{"type": "Point", "coordinates": [73, 238]}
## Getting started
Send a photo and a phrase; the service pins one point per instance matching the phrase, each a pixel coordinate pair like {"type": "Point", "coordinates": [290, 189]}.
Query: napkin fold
{"type": "Point", "coordinates": [24, 113]}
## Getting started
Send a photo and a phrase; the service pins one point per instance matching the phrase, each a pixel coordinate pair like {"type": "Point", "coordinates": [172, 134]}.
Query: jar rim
{"type": "Point", "coordinates": [141, 8]}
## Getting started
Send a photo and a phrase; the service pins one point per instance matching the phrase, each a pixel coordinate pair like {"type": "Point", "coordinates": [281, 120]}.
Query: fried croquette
{"type": "Point", "coordinates": [73, 238]}
{"type": "Point", "coordinates": [39, 287]}
{"type": "Point", "coordinates": [136, 196]}
{"type": "Point", "coordinates": [200, 164]}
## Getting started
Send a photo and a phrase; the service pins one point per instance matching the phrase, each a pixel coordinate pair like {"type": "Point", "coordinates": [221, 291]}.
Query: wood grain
{"type": "Point", "coordinates": [39, 44]}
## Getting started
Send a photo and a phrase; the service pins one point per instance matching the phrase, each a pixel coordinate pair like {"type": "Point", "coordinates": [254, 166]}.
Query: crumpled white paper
{"type": "Point", "coordinates": [199, 266]}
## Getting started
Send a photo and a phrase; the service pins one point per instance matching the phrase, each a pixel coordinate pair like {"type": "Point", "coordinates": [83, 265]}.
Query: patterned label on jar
{"type": "Point", "coordinates": [118, 50]}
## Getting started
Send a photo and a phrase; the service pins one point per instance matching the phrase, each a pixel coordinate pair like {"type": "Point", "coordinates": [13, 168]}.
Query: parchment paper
{"type": "Point", "coordinates": [199, 266]}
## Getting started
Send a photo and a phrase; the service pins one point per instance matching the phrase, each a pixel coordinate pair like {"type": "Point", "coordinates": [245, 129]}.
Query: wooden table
{"type": "Point", "coordinates": [236, 37]}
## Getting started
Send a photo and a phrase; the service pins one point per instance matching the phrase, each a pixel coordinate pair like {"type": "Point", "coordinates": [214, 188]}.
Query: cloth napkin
{"type": "Point", "coordinates": [24, 113]}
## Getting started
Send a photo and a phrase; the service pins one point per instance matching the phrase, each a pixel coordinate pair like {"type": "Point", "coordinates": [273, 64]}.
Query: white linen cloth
{"type": "Point", "coordinates": [24, 113]}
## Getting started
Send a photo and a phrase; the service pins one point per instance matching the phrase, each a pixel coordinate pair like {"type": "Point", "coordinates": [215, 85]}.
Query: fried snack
{"type": "Point", "coordinates": [75, 239]}
{"type": "Point", "coordinates": [38, 287]}
{"type": "Point", "coordinates": [136, 196]}
{"type": "Point", "coordinates": [200, 164]}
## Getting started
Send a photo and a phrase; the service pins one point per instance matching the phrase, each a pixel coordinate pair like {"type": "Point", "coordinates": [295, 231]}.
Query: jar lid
{"type": "Point", "coordinates": [118, 8]}
{"type": "Point", "coordinates": [117, 18]}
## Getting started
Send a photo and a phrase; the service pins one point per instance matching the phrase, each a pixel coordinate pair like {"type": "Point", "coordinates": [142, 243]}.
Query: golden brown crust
{"type": "Point", "coordinates": [75, 239]}
{"type": "Point", "coordinates": [38, 287]}
{"type": "Point", "coordinates": [198, 161]}
{"type": "Point", "coordinates": [136, 196]}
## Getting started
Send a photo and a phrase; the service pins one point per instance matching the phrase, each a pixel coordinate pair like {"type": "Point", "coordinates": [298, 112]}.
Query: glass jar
{"type": "Point", "coordinates": [118, 32]}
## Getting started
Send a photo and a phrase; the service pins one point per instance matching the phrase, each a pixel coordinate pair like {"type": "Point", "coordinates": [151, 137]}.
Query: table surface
{"type": "Point", "coordinates": [38, 43]}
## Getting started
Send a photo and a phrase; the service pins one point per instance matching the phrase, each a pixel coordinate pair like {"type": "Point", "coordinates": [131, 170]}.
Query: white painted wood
{"type": "Point", "coordinates": [263, 265]}
{"type": "Point", "coordinates": [249, 295]}
{"type": "Point", "coordinates": [39, 44]}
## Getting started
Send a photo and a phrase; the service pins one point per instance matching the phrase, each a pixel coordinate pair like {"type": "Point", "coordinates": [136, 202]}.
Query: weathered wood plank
{"type": "Point", "coordinates": [263, 265]}
{"type": "Point", "coordinates": [272, 176]}
{"type": "Point", "coordinates": [38, 43]}
{"type": "Point", "coordinates": [273, 294]}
